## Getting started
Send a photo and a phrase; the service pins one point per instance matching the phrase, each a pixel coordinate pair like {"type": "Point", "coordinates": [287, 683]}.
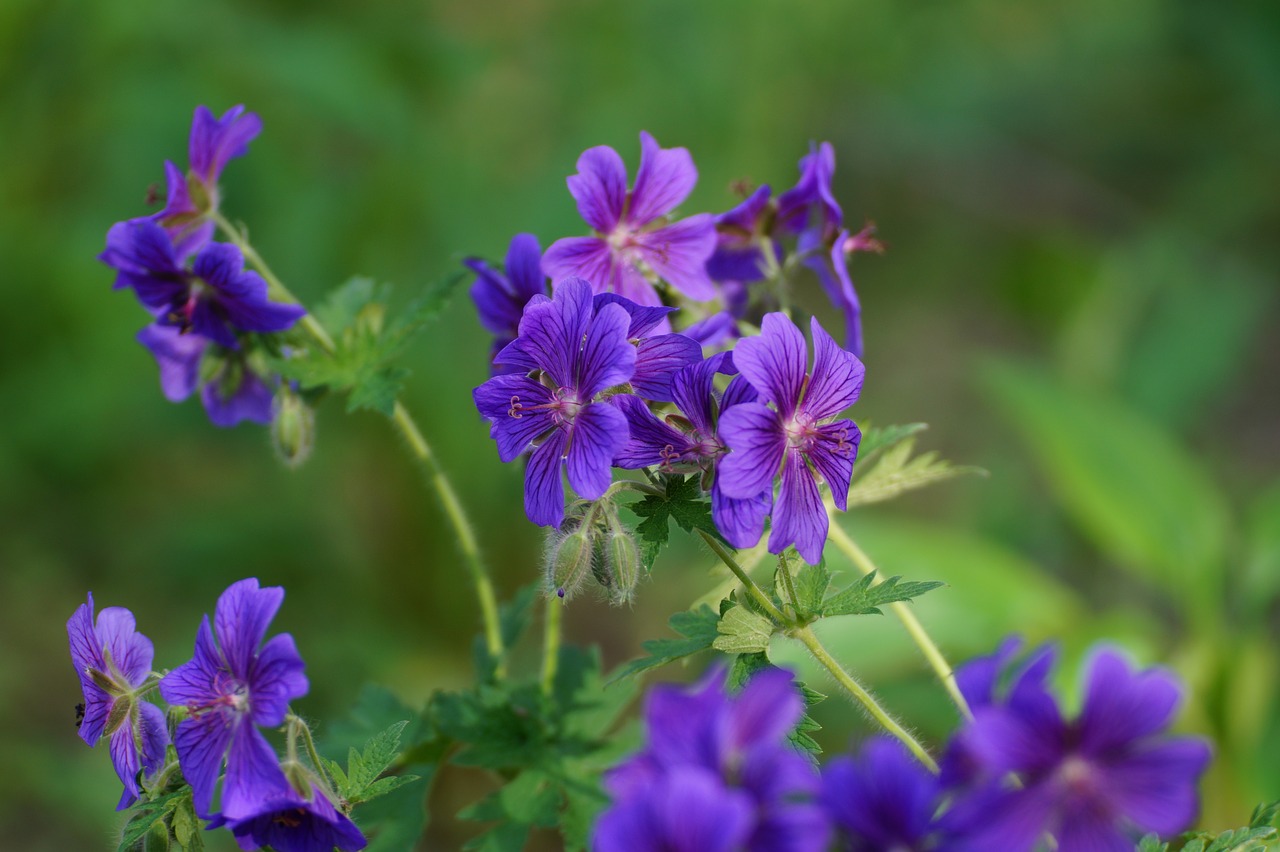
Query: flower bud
{"type": "Point", "coordinates": [293, 429]}
{"type": "Point", "coordinates": [623, 558]}
{"type": "Point", "coordinates": [569, 563]}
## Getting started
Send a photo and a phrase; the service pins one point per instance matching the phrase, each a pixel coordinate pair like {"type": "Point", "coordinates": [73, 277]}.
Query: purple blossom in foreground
{"type": "Point", "coordinates": [500, 297]}
{"type": "Point", "coordinates": [289, 821]}
{"type": "Point", "coordinates": [113, 661]}
{"type": "Point", "coordinates": [1094, 783]}
{"type": "Point", "coordinates": [883, 799]}
{"type": "Point", "coordinates": [690, 443]}
{"type": "Point", "coordinates": [216, 298]}
{"type": "Point", "coordinates": [192, 197]}
{"type": "Point", "coordinates": [630, 239]}
{"type": "Point", "coordinates": [233, 393]}
{"type": "Point", "coordinates": [793, 436]}
{"type": "Point", "coordinates": [659, 356]}
{"type": "Point", "coordinates": [581, 352]}
{"type": "Point", "coordinates": [229, 688]}
{"type": "Point", "coordinates": [717, 773]}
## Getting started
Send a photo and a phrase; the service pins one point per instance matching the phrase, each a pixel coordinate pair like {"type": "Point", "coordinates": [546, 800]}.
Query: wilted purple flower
{"type": "Point", "coordinates": [690, 443]}
{"type": "Point", "coordinates": [287, 820]}
{"type": "Point", "coordinates": [581, 352]}
{"type": "Point", "coordinates": [883, 799]}
{"type": "Point", "coordinates": [229, 688]}
{"type": "Point", "coordinates": [214, 299]}
{"type": "Point", "coordinates": [113, 661]}
{"type": "Point", "coordinates": [627, 243]}
{"type": "Point", "coordinates": [713, 748]}
{"type": "Point", "coordinates": [500, 297]}
{"type": "Point", "coordinates": [192, 197]}
{"type": "Point", "coordinates": [792, 436]}
{"type": "Point", "coordinates": [1094, 783]}
{"type": "Point", "coordinates": [231, 392]}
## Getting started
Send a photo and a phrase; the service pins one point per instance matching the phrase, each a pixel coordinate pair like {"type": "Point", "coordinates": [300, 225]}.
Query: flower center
{"type": "Point", "coordinates": [800, 432]}
{"type": "Point", "coordinates": [563, 407]}
{"type": "Point", "coordinates": [1076, 775]}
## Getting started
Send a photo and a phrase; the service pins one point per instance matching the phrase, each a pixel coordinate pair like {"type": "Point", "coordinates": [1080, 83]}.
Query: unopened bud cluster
{"type": "Point", "coordinates": [593, 543]}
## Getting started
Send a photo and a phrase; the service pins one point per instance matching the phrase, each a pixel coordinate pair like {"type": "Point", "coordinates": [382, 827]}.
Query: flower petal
{"type": "Point", "coordinates": [598, 433]}
{"type": "Point", "coordinates": [551, 332]}
{"type": "Point", "coordinates": [831, 267]}
{"type": "Point", "coordinates": [665, 178]}
{"type": "Point", "coordinates": [243, 613]}
{"type": "Point", "coordinates": [178, 356]}
{"type": "Point", "coordinates": [657, 360]}
{"type": "Point", "coordinates": [253, 772]}
{"type": "Point", "coordinates": [754, 436]}
{"type": "Point", "coordinates": [1156, 786]}
{"type": "Point", "coordinates": [202, 743]}
{"type": "Point", "coordinates": [650, 440]}
{"type": "Point", "coordinates": [740, 521]}
{"type": "Point", "coordinates": [131, 652]}
{"type": "Point", "coordinates": [678, 253]}
{"type": "Point", "coordinates": [497, 398]}
{"type": "Point", "coordinates": [215, 141]}
{"type": "Point", "coordinates": [600, 187]}
{"type": "Point", "coordinates": [524, 267]}
{"type": "Point", "coordinates": [582, 257]}
{"type": "Point", "coordinates": [603, 357]}
{"type": "Point", "coordinates": [832, 455]}
{"type": "Point", "coordinates": [1122, 705]}
{"type": "Point", "coordinates": [127, 763]}
{"type": "Point", "coordinates": [693, 391]}
{"type": "Point", "coordinates": [644, 318]}
{"type": "Point", "coordinates": [543, 490]}
{"type": "Point", "coordinates": [774, 362]}
{"type": "Point", "coordinates": [766, 709]}
{"type": "Point", "coordinates": [250, 400]}
{"type": "Point", "coordinates": [837, 377]}
{"type": "Point", "coordinates": [799, 517]}
{"type": "Point", "coordinates": [276, 679]}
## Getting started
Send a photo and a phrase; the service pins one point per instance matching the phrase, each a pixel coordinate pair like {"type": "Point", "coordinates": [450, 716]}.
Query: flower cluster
{"type": "Point", "coordinates": [234, 685]}
{"type": "Point", "coordinates": [593, 377]}
{"type": "Point", "coordinates": [211, 317]}
{"type": "Point", "coordinates": [717, 772]}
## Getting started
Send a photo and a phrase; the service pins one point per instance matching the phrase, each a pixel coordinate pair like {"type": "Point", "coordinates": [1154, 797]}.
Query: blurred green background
{"type": "Point", "coordinates": [1080, 202]}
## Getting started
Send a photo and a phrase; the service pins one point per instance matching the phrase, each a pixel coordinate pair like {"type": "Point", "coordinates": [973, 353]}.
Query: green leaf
{"type": "Point", "coordinates": [529, 801]}
{"type": "Point", "coordinates": [1151, 843]}
{"type": "Point", "coordinates": [743, 632]}
{"type": "Point", "coordinates": [1142, 499]}
{"type": "Point", "coordinates": [146, 816]}
{"type": "Point", "coordinates": [364, 344]}
{"type": "Point", "coordinates": [683, 503]}
{"type": "Point", "coordinates": [811, 584]}
{"type": "Point", "coordinates": [896, 473]}
{"type": "Point", "coordinates": [699, 629]}
{"type": "Point", "coordinates": [1264, 815]}
{"type": "Point", "coordinates": [360, 781]}
{"type": "Point", "coordinates": [866, 596]}
{"type": "Point", "coordinates": [1262, 566]}
{"type": "Point", "coordinates": [875, 439]}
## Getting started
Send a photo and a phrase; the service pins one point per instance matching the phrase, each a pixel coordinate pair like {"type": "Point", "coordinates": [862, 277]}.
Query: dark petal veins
{"type": "Point", "coordinates": [665, 178]}
{"type": "Point", "coordinates": [196, 682]}
{"type": "Point", "coordinates": [832, 455]}
{"type": "Point", "coordinates": [598, 433]}
{"type": "Point", "coordinates": [678, 254]}
{"type": "Point", "coordinates": [543, 489]}
{"type": "Point", "coordinates": [740, 521]}
{"type": "Point", "coordinates": [606, 358]}
{"type": "Point", "coordinates": [644, 318]}
{"type": "Point", "coordinates": [837, 377]}
{"type": "Point", "coordinates": [131, 652]}
{"type": "Point", "coordinates": [799, 518]}
{"type": "Point", "coordinates": [583, 257]}
{"type": "Point", "coordinates": [657, 360]}
{"type": "Point", "coordinates": [276, 679]}
{"type": "Point", "coordinates": [243, 613]}
{"type": "Point", "coordinates": [649, 437]}
{"type": "Point", "coordinates": [551, 333]}
{"type": "Point", "coordinates": [202, 743]}
{"type": "Point", "coordinates": [253, 772]}
{"type": "Point", "coordinates": [693, 391]}
{"type": "Point", "coordinates": [756, 441]}
{"type": "Point", "coordinates": [494, 400]}
{"type": "Point", "coordinates": [600, 187]}
{"type": "Point", "coordinates": [774, 362]}
{"type": "Point", "coordinates": [127, 763]}
{"type": "Point", "coordinates": [739, 390]}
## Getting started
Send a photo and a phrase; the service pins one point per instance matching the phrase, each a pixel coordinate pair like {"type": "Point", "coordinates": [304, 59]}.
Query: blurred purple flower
{"type": "Point", "coordinates": [793, 436]}
{"type": "Point", "coordinates": [229, 688]}
{"type": "Point", "coordinates": [231, 393]}
{"type": "Point", "coordinates": [113, 661]}
{"type": "Point", "coordinates": [883, 799]}
{"type": "Point", "coordinates": [628, 243]}
{"type": "Point", "coordinates": [1094, 783]}
{"type": "Point", "coordinates": [289, 821]}
{"type": "Point", "coordinates": [726, 758]}
{"type": "Point", "coordinates": [581, 352]}
{"type": "Point", "coordinates": [500, 297]}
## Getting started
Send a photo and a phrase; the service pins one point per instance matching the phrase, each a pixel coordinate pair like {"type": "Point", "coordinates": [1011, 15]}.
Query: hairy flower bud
{"type": "Point", "coordinates": [623, 559]}
{"type": "Point", "coordinates": [569, 562]}
{"type": "Point", "coordinates": [293, 429]}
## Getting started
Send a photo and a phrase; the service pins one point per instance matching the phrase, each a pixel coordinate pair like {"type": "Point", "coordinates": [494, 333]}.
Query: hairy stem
{"type": "Point", "coordinates": [946, 674]}
{"type": "Point", "coordinates": [865, 698]}
{"type": "Point", "coordinates": [755, 591]}
{"type": "Point", "coordinates": [417, 445]}
{"type": "Point", "coordinates": [551, 643]}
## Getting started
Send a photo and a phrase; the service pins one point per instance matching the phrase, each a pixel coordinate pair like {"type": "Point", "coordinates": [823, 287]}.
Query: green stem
{"type": "Point", "coordinates": [551, 643]}
{"type": "Point", "coordinates": [785, 570]}
{"type": "Point", "coordinates": [755, 591]}
{"type": "Point", "coordinates": [865, 698]}
{"type": "Point", "coordinates": [298, 726]}
{"type": "Point", "coordinates": [417, 444]}
{"type": "Point", "coordinates": [946, 674]}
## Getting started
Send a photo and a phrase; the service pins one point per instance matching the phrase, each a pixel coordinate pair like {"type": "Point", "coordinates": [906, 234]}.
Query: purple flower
{"type": "Point", "coordinates": [500, 297]}
{"type": "Point", "coordinates": [113, 661]}
{"type": "Point", "coordinates": [192, 197]}
{"type": "Point", "coordinates": [690, 443]}
{"type": "Point", "coordinates": [793, 435]}
{"type": "Point", "coordinates": [231, 391]}
{"type": "Point", "coordinates": [229, 688]}
{"type": "Point", "coordinates": [812, 195]}
{"type": "Point", "coordinates": [742, 234]}
{"type": "Point", "coordinates": [627, 244]}
{"type": "Point", "coordinates": [289, 821]}
{"type": "Point", "coordinates": [882, 799]}
{"type": "Point", "coordinates": [726, 756]}
{"type": "Point", "coordinates": [658, 357]}
{"type": "Point", "coordinates": [215, 299]}
{"type": "Point", "coordinates": [581, 351]}
{"type": "Point", "coordinates": [1095, 782]}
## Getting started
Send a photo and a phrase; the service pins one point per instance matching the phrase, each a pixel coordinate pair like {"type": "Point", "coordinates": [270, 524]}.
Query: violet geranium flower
{"type": "Point", "coordinates": [727, 757]}
{"type": "Point", "coordinates": [113, 661]}
{"type": "Point", "coordinates": [287, 820]}
{"type": "Point", "coordinates": [581, 351]}
{"type": "Point", "coordinates": [229, 688]}
{"type": "Point", "coordinates": [883, 799]}
{"type": "Point", "coordinates": [1094, 783]}
{"type": "Point", "coordinates": [500, 297]}
{"type": "Point", "coordinates": [793, 436]}
{"type": "Point", "coordinates": [628, 243]}
{"type": "Point", "coordinates": [215, 298]}
{"type": "Point", "coordinates": [232, 393]}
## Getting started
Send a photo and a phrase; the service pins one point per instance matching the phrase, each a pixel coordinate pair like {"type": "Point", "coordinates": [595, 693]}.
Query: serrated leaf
{"type": "Point", "coordinates": [363, 768]}
{"type": "Point", "coordinates": [340, 308]}
{"type": "Point", "coordinates": [743, 632]}
{"type": "Point", "coordinates": [146, 814]}
{"type": "Point", "coordinates": [1264, 815]}
{"type": "Point", "coordinates": [683, 503]}
{"type": "Point", "coordinates": [698, 627]}
{"type": "Point", "coordinates": [896, 473]}
{"type": "Point", "coordinates": [875, 439]}
{"type": "Point", "coordinates": [866, 596]}
{"type": "Point", "coordinates": [811, 584]}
